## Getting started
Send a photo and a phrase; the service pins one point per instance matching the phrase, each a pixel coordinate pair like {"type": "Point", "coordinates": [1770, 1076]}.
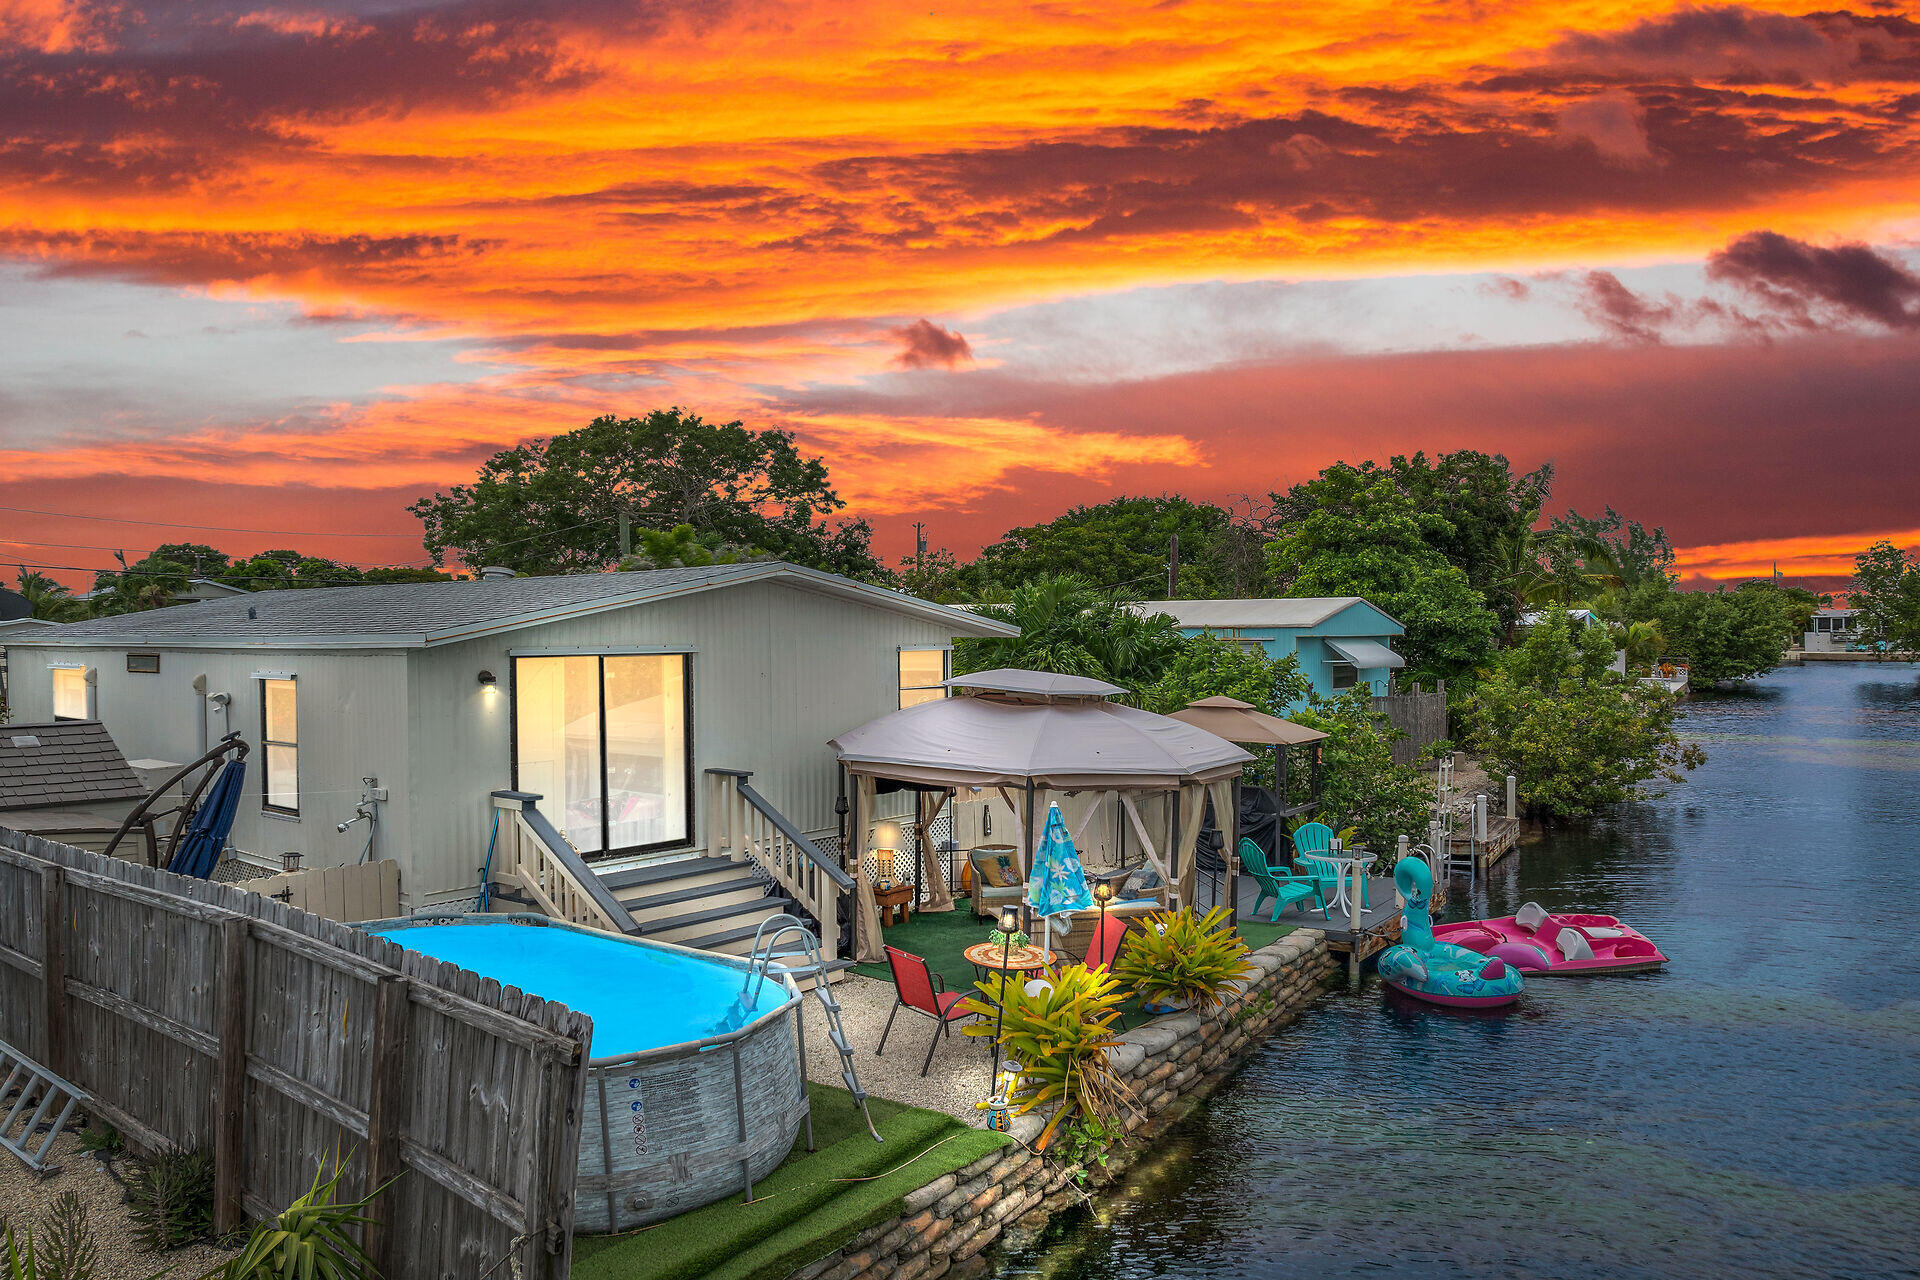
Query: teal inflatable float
{"type": "Point", "coordinates": [1440, 972]}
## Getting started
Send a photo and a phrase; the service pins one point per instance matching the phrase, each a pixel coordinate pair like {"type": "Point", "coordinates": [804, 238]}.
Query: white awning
{"type": "Point", "coordinates": [1367, 654]}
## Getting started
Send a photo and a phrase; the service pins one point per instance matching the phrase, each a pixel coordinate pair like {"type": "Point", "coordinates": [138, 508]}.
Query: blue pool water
{"type": "Point", "coordinates": [1751, 1111]}
{"type": "Point", "coordinates": [639, 996]}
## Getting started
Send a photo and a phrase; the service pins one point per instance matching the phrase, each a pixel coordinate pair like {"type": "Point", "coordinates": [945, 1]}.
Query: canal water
{"type": "Point", "coordinates": [1752, 1110]}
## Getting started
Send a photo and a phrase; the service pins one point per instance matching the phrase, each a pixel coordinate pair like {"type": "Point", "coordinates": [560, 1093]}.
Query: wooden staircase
{"type": "Point", "coordinates": [757, 866]}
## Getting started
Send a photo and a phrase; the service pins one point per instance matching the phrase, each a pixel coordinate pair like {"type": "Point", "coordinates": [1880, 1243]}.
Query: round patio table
{"type": "Point", "coordinates": [1352, 863]}
{"type": "Point", "coordinates": [988, 957]}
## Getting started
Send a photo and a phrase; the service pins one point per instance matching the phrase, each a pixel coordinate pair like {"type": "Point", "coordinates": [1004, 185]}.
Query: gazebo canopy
{"type": "Point", "coordinates": [999, 737]}
{"type": "Point", "coordinates": [1238, 721]}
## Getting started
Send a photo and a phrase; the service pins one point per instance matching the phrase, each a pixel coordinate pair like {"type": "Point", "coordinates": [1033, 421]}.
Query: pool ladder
{"type": "Point", "coordinates": [774, 949]}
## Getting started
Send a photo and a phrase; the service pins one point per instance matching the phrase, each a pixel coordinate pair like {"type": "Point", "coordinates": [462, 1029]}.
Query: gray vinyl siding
{"type": "Point", "coordinates": [776, 671]}
{"type": "Point", "coordinates": [350, 727]}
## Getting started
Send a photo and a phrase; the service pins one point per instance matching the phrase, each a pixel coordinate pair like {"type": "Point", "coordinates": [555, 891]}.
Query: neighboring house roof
{"type": "Point", "coordinates": [21, 626]}
{"type": "Point", "coordinates": [14, 606]}
{"type": "Point", "coordinates": [422, 614]}
{"type": "Point", "coordinates": [197, 589]}
{"type": "Point", "coordinates": [61, 763]}
{"type": "Point", "coordinates": [1285, 613]}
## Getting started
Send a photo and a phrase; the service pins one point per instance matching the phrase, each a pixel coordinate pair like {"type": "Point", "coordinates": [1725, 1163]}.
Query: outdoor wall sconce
{"type": "Point", "coordinates": [488, 679]}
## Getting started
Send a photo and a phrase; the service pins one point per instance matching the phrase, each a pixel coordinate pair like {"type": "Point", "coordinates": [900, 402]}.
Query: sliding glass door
{"type": "Point", "coordinates": [604, 740]}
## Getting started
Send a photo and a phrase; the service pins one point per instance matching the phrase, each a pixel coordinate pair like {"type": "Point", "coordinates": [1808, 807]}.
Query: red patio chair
{"type": "Point", "coordinates": [1105, 947]}
{"type": "Point", "coordinates": [918, 988]}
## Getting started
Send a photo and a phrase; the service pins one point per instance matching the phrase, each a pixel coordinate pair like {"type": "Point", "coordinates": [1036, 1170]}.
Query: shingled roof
{"type": "Point", "coordinates": [61, 763]}
{"type": "Point", "coordinates": [420, 614]}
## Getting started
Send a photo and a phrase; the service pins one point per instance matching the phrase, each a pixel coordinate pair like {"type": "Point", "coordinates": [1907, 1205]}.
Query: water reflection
{"type": "Point", "coordinates": [1753, 1110]}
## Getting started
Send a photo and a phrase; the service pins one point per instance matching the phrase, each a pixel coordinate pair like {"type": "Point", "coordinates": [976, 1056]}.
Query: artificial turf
{"type": "Point", "coordinates": [941, 940]}
{"type": "Point", "coordinates": [808, 1207]}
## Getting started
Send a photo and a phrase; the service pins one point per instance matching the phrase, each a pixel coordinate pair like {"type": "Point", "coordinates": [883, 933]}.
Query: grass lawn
{"type": "Point", "coordinates": [808, 1207]}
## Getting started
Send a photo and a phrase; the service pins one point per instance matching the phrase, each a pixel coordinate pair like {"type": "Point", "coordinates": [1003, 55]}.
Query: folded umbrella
{"type": "Point", "coordinates": [1058, 885]}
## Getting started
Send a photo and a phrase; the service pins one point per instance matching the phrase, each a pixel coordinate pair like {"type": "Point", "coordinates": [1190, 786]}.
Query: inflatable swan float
{"type": "Point", "coordinates": [1443, 973]}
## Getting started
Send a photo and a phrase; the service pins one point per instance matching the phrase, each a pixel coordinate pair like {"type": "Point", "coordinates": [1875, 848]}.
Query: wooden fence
{"type": "Point", "coordinates": [1422, 716]}
{"type": "Point", "coordinates": [366, 891]}
{"type": "Point", "coordinates": [199, 1016]}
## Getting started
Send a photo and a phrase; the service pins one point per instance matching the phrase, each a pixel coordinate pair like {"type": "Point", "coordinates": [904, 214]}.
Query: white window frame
{"type": "Point", "coordinates": [88, 684]}
{"type": "Point", "coordinates": [266, 679]}
{"type": "Point", "coordinates": [902, 688]}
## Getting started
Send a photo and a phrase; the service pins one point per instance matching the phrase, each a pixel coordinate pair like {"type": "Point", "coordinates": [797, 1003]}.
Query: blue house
{"type": "Point", "coordinates": [1342, 641]}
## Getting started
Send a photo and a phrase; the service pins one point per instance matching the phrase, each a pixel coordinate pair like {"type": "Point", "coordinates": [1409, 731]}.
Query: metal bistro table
{"type": "Point", "coordinates": [987, 957]}
{"type": "Point", "coordinates": [1351, 864]}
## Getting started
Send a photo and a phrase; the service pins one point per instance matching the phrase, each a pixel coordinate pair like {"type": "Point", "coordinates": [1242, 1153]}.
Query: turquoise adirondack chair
{"type": "Point", "coordinates": [1285, 889]}
{"type": "Point", "coordinates": [1312, 838]}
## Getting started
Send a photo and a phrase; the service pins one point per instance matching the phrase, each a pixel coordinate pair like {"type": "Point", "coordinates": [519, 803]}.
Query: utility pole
{"type": "Point", "coordinates": [919, 545]}
{"type": "Point", "coordinates": [1173, 566]}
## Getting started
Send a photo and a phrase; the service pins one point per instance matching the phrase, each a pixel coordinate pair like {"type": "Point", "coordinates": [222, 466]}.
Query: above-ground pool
{"type": "Point", "coordinates": [692, 1093]}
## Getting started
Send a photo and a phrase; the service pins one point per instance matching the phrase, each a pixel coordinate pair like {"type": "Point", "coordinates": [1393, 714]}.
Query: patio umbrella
{"type": "Point", "coordinates": [1058, 885]}
{"type": "Point", "coordinates": [207, 834]}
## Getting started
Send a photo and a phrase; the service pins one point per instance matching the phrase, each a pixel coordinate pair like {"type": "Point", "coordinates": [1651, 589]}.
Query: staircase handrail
{"type": "Point", "coordinates": [584, 893]}
{"type": "Point", "coordinates": [827, 866]}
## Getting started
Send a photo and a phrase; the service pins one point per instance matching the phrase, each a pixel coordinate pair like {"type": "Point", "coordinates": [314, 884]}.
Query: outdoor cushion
{"type": "Point", "coordinates": [1144, 880]}
{"type": "Point", "coordinates": [1005, 874]}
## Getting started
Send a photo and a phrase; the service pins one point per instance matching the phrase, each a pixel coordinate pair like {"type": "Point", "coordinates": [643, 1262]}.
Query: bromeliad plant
{"type": "Point", "coordinates": [1179, 957]}
{"type": "Point", "coordinates": [311, 1239]}
{"type": "Point", "coordinates": [1060, 1036]}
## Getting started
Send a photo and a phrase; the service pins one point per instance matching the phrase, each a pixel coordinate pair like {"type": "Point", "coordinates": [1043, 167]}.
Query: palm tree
{"type": "Point", "coordinates": [51, 602]}
{"type": "Point", "coordinates": [1643, 642]}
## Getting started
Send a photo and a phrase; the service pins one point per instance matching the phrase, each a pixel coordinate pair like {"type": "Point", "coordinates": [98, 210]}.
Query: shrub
{"type": "Point", "coordinates": [1179, 957]}
{"type": "Point", "coordinates": [1060, 1037]}
{"type": "Point", "coordinates": [171, 1199]}
{"type": "Point", "coordinates": [66, 1249]}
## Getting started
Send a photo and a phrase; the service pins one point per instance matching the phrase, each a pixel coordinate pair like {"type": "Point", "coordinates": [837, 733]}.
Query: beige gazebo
{"type": "Point", "coordinates": [1025, 734]}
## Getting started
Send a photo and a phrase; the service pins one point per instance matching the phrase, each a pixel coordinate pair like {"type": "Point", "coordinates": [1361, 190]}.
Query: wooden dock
{"type": "Point", "coordinates": [1503, 837]}
{"type": "Point", "coordinates": [1379, 923]}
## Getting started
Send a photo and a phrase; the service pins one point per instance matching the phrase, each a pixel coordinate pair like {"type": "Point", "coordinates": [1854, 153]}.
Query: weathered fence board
{"type": "Point", "coordinates": [201, 1016]}
{"type": "Point", "coordinates": [1422, 716]}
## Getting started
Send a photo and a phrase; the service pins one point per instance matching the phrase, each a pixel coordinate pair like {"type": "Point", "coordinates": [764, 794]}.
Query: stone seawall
{"type": "Point", "coordinates": [1172, 1062]}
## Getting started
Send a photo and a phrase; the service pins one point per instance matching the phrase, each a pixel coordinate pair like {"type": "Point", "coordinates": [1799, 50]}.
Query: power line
{"type": "Point", "coordinates": [207, 528]}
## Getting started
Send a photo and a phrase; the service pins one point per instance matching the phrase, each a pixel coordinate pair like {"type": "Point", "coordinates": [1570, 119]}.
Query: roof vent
{"type": "Point", "coordinates": [494, 573]}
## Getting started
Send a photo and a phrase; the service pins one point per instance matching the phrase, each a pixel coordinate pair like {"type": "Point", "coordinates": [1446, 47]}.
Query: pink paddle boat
{"type": "Point", "coordinates": [1552, 943]}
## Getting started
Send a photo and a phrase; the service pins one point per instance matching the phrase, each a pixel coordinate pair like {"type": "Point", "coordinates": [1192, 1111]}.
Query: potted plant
{"type": "Point", "coordinates": [1180, 960]}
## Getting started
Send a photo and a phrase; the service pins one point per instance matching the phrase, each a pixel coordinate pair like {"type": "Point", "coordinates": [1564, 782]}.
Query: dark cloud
{"type": "Point", "coordinates": [1736, 43]}
{"type": "Point", "coordinates": [185, 258]}
{"type": "Point", "coordinates": [925, 345]}
{"type": "Point", "coordinates": [186, 91]}
{"type": "Point", "coordinates": [1622, 313]}
{"type": "Point", "coordinates": [1801, 281]}
{"type": "Point", "coordinates": [1313, 166]}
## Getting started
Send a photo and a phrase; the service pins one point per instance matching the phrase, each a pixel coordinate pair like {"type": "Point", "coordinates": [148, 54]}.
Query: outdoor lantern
{"type": "Point", "coordinates": [488, 679]}
{"type": "Point", "coordinates": [1009, 919]}
{"type": "Point", "coordinates": [1103, 893]}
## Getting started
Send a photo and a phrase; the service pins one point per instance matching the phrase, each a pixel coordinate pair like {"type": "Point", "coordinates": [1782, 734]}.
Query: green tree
{"type": "Point", "coordinates": [1121, 545]}
{"type": "Point", "coordinates": [1886, 590]}
{"type": "Point", "coordinates": [203, 560]}
{"type": "Point", "coordinates": [1486, 508]}
{"type": "Point", "coordinates": [1352, 532]}
{"type": "Point", "coordinates": [937, 576]}
{"type": "Point", "coordinates": [149, 583]}
{"type": "Point", "coordinates": [1728, 635]}
{"type": "Point", "coordinates": [1206, 666]}
{"type": "Point", "coordinates": [51, 602]}
{"type": "Point", "coordinates": [1577, 737]}
{"type": "Point", "coordinates": [553, 506]}
{"type": "Point", "coordinates": [1361, 785]}
{"type": "Point", "coordinates": [1068, 626]}
{"type": "Point", "coordinates": [681, 548]}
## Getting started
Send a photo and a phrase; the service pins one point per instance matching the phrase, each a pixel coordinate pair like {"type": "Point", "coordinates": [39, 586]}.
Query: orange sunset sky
{"type": "Point", "coordinates": [288, 266]}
